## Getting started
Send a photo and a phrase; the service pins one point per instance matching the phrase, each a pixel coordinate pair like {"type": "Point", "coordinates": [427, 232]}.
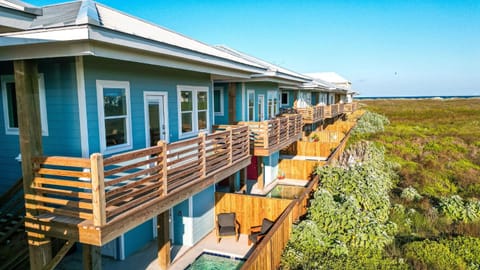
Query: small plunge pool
{"type": "Point", "coordinates": [285, 192]}
{"type": "Point", "coordinates": [212, 261]}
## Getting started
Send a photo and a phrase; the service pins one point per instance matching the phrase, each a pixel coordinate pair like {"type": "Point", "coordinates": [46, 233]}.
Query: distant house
{"type": "Point", "coordinates": [344, 92]}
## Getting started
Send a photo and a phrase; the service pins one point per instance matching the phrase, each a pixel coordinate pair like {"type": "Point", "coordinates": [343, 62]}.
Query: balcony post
{"type": "Point", "coordinates": [264, 128]}
{"type": "Point", "coordinates": [98, 190]}
{"type": "Point", "coordinates": [279, 130]}
{"type": "Point", "coordinates": [230, 145]}
{"type": "Point", "coordinates": [202, 150]}
{"type": "Point", "coordinates": [164, 177]}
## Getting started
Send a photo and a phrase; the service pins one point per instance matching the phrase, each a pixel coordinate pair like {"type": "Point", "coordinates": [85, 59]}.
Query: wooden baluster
{"type": "Point", "coordinates": [164, 174]}
{"type": "Point", "coordinates": [98, 190]}
{"type": "Point", "coordinates": [203, 152]}
{"type": "Point", "coordinates": [230, 144]}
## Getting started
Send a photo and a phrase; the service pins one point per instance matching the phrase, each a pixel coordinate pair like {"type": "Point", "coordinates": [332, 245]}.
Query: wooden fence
{"type": "Point", "coordinates": [100, 189]}
{"type": "Point", "coordinates": [310, 149]}
{"type": "Point", "coordinates": [250, 210]}
{"type": "Point", "coordinates": [298, 169]}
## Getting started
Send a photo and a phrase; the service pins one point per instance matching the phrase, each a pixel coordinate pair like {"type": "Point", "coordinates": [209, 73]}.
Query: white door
{"type": "Point", "coordinates": [155, 117]}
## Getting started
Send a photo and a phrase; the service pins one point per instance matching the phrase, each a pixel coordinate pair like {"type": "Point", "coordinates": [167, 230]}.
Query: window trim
{"type": "Point", "coordinates": [281, 98]}
{"type": "Point", "coordinates": [43, 104]}
{"type": "Point", "coordinates": [101, 84]}
{"type": "Point", "coordinates": [275, 107]}
{"type": "Point", "coordinates": [250, 91]}
{"type": "Point", "coordinates": [222, 111]}
{"type": "Point", "coordinates": [194, 90]}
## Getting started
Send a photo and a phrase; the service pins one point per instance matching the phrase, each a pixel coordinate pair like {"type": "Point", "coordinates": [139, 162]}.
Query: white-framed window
{"type": "Point", "coordinates": [114, 116]}
{"type": "Point", "coordinates": [284, 101]}
{"type": "Point", "coordinates": [193, 110]}
{"type": "Point", "coordinates": [323, 99]}
{"type": "Point", "coordinates": [272, 104]}
{"type": "Point", "coordinates": [331, 98]}
{"type": "Point", "coordinates": [10, 112]}
{"type": "Point", "coordinates": [250, 105]}
{"type": "Point", "coordinates": [218, 101]}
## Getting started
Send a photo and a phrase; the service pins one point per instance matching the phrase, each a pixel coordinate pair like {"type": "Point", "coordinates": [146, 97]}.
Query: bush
{"type": "Point", "coordinates": [468, 248]}
{"type": "Point", "coordinates": [455, 208]}
{"type": "Point", "coordinates": [370, 122]}
{"type": "Point", "coordinates": [432, 255]}
{"type": "Point", "coordinates": [410, 194]}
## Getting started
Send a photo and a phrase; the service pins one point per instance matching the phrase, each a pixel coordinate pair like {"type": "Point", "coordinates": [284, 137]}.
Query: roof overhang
{"type": "Point", "coordinates": [101, 42]}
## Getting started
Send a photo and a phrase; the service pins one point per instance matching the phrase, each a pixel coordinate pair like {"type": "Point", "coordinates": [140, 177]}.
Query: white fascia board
{"type": "Point", "coordinates": [45, 50]}
{"type": "Point", "coordinates": [132, 55]}
{"type": "Point", "coordinates": [44, 36]}
{"type": "Point", "coordinates": [129, 41]}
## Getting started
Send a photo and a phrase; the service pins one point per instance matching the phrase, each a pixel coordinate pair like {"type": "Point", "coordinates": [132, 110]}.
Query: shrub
{"type": "Point", "coordinates": [370, 122]}
{"type": "Point", "coordinates": [455, 208]}
{"type": "Point", "coordinates": [468, 248]}
{"type": "Point", "coordinates": [410, 194]}
{"type": "Point", "coordinates": [432, 255]}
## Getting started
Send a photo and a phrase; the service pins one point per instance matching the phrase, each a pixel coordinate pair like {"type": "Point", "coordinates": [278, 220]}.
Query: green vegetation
{"type": "Point", "coordinates": [407, 200]}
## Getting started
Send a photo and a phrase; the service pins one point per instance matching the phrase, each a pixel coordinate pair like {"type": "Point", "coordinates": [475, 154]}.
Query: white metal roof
{"type": "Point", "coordinates": [331, 77]}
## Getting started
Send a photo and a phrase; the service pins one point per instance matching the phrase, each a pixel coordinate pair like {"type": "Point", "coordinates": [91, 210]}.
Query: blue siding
{"type": "Point", "coordinates": [62, 114]}
{"type": "Point", "coordinates": [223, 119]}
{"type": "Point", "coordinates": [136, 238]}
{"type": "Point", "coordinates": [203, 213]}
{"type": "Point", "coordinates": [141, 78]}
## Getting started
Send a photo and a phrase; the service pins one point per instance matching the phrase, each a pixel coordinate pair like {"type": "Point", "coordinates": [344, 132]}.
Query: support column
{"type": "Point", "coordinates": [261, 173]}
{"type": "Point", "coordinates": [243, 180]}
{"type": "Point", "coordinates": [92, 257]}
{"type": "Point", "coordinates": [163, 240]}
{"type": "Point", "coordinates": [30, 138]}
{"type": "Point", "coordinates": [231, 183]}
{"type": "Point", "coordinates": [232, 103]}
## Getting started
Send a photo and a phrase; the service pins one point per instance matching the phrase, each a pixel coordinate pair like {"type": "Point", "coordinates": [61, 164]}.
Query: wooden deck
{"type": "Point", "coordinates": [93, 201]}
{"type": "Point", "coordinates": [318, 113]}
{"type": "Point", "coordinates": [270, 136]}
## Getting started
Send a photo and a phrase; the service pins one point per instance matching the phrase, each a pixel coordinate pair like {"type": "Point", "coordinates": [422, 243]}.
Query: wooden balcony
{"type": "Point", "coordinates": [350, 107]}
{"type": "Point", "coordinates": [93, 201]}
{"type": "Point", "coordinates": [270, 136]}
{"type": "Point", "coordinates": [312, 115]}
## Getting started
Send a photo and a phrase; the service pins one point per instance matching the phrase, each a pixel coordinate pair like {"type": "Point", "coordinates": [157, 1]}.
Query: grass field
{"type": "Point", "coordinates": [436, 142]}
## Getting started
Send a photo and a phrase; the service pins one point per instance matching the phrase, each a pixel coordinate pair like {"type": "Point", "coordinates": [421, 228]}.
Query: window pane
{"type": "Point", "coordinates": [187, 122]}
{"type": "Point", "coordinates": [202, 100]}
{"type": "Point", "coordinates": [250, 114]}
{"type": "Point", "coordinates": [202, 120]}
{"type": "Point", "coordinates": [284, 98]}
{"type": "Point", "coordinates": [114, 101]}
{"type": "Point", "coordinates": [216, 101]}
{"type": "Point", "coordinates": [251, 99]}
{"type": "Point", "coordinates": [186, 101]}
{"type": "Point", "coordinates": [115, 131]}
{"type": "Point", "coordinates": [12, 105]}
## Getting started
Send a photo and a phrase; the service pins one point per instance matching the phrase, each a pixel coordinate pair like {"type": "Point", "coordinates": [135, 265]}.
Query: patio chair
{"type": "Point", "coordinates": [258, 232]}
{"type": "Point", "coordinates": [227, 226]}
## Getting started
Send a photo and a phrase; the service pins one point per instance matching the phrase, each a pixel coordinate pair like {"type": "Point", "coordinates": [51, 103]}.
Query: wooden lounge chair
{"type": "Point", "coordinates": [258, 232]}
{"type": "Point", "coordinates": [227, 226]}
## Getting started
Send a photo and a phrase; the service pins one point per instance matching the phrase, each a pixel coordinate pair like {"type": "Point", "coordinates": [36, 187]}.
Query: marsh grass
{"type": "Point", "coordinates": [436, 142]}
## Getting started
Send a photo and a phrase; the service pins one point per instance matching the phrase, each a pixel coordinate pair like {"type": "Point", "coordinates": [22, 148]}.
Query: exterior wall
{"type": "Point", "coordinates": [203, 213]}
{"type": "Point", "coordinates": [223, 119]}
{"type": "Point", "coordinates": [62, 117]}
{"type": "Point", "coordinates": [260, 88]}
{"type": "Point", "coordinates": [271, 167]}
{"type": "Point", "coordinates": [291, 98]}
{"type": "Point", "coordinates": [141, 78]}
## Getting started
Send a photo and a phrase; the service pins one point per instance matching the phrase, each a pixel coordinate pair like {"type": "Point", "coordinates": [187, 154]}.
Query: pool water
{"type": "Point", "coordinates": [210, 261]}
{"type": "Point", "coordinates": [285, 192]}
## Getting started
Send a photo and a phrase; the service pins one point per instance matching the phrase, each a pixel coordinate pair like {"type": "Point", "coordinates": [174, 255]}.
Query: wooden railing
{"type": "Point", "coordinates": [275, 133]}
{"type": "Point", "coordinates": [311, 115]}
{"type": "Point", "coordinates": [99, 189]}
{"type": "Point", "coordinates": [350, 107]}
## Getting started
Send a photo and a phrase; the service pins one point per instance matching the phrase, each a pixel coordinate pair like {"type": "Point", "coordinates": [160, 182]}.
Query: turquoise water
{"type": "Point", "coordinates": [207, 261]}
{"type": "Point", "coordinates": [285, 192]}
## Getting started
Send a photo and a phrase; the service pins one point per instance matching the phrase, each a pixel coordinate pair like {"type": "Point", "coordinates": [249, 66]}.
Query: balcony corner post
{"type": "Point", "coordinates": [98, 190]}
{"type": "Point", "coordinates": [203, 152]}
{"type": "Point", "coordinates": [164, 175]}
{"type": "Point", "coordinates": [230, 144]}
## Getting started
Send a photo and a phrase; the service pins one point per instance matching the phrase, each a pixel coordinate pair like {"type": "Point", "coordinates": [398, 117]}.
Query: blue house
{"type": "Point", "coordinates": [110, 83]}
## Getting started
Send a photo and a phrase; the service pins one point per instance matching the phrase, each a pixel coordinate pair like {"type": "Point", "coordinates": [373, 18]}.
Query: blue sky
{"type": "Point", "coordinates": [385, 47]}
